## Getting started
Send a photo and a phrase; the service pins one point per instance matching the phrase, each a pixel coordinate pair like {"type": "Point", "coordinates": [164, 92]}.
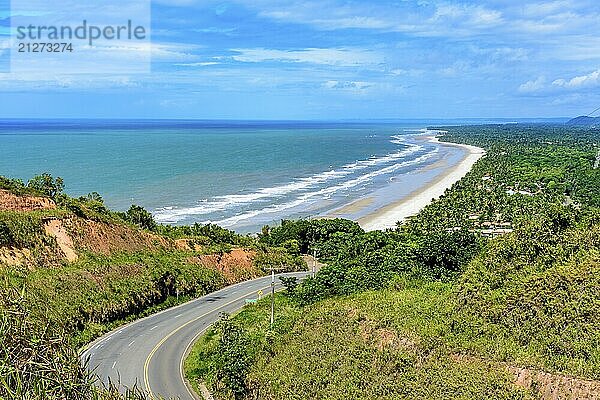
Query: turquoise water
{"type": "Point", "coordinates": [241, 175]}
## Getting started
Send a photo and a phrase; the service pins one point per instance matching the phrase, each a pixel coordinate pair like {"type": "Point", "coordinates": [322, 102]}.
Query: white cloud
{"type": "Point", "coordinates": [197, 64]}
{"type": "Point", "coordinates": [351, 85]}
{"type": "Point", "coordinates": [533, 86]}
{"type": "Point", "coordinates": [546, 8]}
{"type": "Point", "coordinates": [510, 54]}
{"type": "Point", "coordinates": [578, 82]}
{"type": "Point", "coordinates": [406, 72]}
{"type": "Point", "coordinates": [424, 19]}
{"type": "Point", "coordinates": [501, 54]}
{"type": "Point", "coordinates": [331, 22]}
{"type": "Point", "coordinates": [343, 57]}
{"type": "Point", "coordinates": [214, 29]}
{"type": "Point", "coordinates": [328, 15]}
{"type": "Point", "coordinates": [399, 71]}
{"type": "Point", "coordinates": [467, 14]}
{"type": "Point", "coordinates": [590, 80]}
{"type": "Point", "coordinates": [42, 81]}
{"type": "Point", "coordinates": [573, 98]}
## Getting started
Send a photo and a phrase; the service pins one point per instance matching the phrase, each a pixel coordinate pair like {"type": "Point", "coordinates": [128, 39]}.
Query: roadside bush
{"type": "Point", "coordinates": [208, 234]}
{"type": "Point", "coordinates": [310, 234]}
{"type": "Point", "coordinates": [234, 359]}
{"type": "Point", "coordinates": [279, 259]}
{"type": "Point", "coordinates": [373, 260]}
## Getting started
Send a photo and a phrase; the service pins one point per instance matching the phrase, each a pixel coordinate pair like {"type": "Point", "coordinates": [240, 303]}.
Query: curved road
{"type": "Point", "coordinates": [149, 352]}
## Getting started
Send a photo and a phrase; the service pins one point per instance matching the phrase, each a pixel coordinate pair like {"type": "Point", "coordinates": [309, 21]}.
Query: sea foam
{"type": "Point", "coordinates": [297, 186]}
{"type": "Point", "coordinates": [320, 194]}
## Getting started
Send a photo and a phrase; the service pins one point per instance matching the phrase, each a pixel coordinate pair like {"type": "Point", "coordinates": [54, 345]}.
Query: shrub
{"type": "Point", "coordinates": [310, 234]}
{"type": "Point", "coordinates": [15, 186]}
{"type": "Point", "coordinates": [6, 238]}
{"type": "Point", "coordinates": [442, 255]}
{"type": "Point", "coordinates": [139, 216]}
{"type": "Point", "coordinates": [38, 362]}
{"type": "Point", "coordinates": [47, 185]}
{"type": "Point", "coordinates": [233, 358]}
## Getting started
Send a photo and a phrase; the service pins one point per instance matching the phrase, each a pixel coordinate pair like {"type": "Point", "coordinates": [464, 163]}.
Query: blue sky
{"type": "Point", "coordinates": [332, 59]}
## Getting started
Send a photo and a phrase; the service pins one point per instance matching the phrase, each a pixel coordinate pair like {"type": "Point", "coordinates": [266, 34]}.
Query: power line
{"type": "Point", "coordinates": [590, 114]}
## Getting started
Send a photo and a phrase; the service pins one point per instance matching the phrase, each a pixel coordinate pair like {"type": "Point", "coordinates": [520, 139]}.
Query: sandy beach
{"type": "Point", "coordinates": [386, 217]}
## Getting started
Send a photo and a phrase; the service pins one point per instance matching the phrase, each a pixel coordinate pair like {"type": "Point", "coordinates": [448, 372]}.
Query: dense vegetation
{"type": "Point", "coordinates": [91, 296]}
{"type": "Point", "coordinates": [536, 293]}
{"type": "Point", "coordinates": [40, 185]}
{"type": "Point", "coordinates": [440, 306]}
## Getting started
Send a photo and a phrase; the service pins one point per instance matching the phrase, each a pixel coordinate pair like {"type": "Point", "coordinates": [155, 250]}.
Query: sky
{"type": "Point", "coordinates": [333, 59]}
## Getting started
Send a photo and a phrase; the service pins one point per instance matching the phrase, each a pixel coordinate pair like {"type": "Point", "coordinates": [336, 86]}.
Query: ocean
{"type": "Point", "coordinates": [240, 175]}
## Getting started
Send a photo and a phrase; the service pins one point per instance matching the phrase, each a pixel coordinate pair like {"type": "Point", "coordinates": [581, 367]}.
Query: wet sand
{"type": "Point", "coordinates": [388, 216]}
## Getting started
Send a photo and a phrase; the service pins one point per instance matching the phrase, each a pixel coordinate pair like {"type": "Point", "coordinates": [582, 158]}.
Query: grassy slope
{"type": "Point", "coordinates": [378, 344]}
{"type": "Point", "coordinates": [100, 292]}
{"type": "Point", "coordinates": [97, 292]}
{"type": "Point", "coordinates": [204, 356]}
{"type": "Point", "coordinates": [138, 271]}
{"type": "Point", "coordinates": [402, 342]}
{"type": "Point", "coordinates": [534, 299]}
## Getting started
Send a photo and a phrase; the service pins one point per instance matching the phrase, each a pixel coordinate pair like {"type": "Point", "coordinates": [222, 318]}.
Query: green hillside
{"type": "Point", "coordinates": [492, 291]}
{"type": "Point", "coordinates": [71, 270]}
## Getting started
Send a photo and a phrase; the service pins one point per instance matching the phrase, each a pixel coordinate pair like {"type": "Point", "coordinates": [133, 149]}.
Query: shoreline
{"type": "Point", "coordinates": [387, 216]}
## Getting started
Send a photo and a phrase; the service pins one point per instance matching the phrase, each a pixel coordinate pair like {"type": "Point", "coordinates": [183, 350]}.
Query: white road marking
{"type": "Point", "coordinates": [185, 307]}
{"type": "Point", "coordinates": [115, 363]}
{"type": "Point", "coordinates": [154, 327]}
{"type": "Point", "coordinates": [132, 342]}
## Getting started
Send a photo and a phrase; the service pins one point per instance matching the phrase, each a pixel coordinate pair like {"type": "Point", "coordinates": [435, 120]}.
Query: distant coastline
{"type": "Point", "coordinates": [387, 216]}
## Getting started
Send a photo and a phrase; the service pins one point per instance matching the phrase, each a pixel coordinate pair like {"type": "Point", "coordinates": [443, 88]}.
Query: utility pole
{"type": "Point", "coordinates": [272, 296]}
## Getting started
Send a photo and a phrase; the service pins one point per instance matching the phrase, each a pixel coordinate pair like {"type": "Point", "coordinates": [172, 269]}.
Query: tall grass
{"type": "Point", "coordinates": [37, 360]}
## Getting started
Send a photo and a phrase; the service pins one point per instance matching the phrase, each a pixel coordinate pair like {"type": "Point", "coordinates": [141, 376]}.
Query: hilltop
{"type": "Point", "coordinates": [584, 121]}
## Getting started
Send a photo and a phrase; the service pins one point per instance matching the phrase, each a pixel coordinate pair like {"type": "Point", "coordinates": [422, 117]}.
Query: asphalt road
{"type": "Point", "coordinates": [149, 352]}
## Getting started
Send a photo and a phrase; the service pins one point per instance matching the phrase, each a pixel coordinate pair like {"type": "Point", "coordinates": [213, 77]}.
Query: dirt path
{"type": "Point", "coordinates": [549, 386]}
{"type": "Point", "coordinates": [55, 228]}
{"type": "Point", "coordinates": [555, 386]}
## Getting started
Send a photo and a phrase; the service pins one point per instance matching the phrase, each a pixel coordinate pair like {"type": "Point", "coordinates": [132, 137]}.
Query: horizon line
{"type": "Point", "coordinates": [281, 120]}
